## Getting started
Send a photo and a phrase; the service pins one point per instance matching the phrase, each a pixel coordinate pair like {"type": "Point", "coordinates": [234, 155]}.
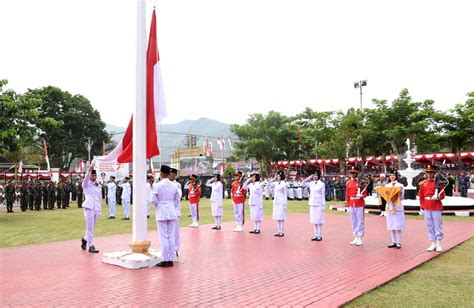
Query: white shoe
{"type": "Point", "coordinates": [438, 246]}
{"type": "Point", "coordinates": [240, 229]}
{"type": "Point", "coordinates": [381, 214]}
{"type": "Point", "coordinates": [194, 225]}
{"type": "Point", "coordinates": [237, 229]}
{"type": "Point", "coordinates": [359, 241]}
{"type": "Point", "coordinates": [432, 247]}
{"type": "Point", "coordinates": [354, 241]}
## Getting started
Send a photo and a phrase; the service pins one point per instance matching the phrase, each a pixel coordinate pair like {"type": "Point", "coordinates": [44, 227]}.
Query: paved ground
{"type": "Point", "coordinates": [222, 268]}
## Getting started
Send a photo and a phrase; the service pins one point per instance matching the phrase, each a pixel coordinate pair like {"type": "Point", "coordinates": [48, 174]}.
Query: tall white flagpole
{"type": "Point", "coordinates": [141, 256]}
{"type": "Point", "coordinates": [139, 131]}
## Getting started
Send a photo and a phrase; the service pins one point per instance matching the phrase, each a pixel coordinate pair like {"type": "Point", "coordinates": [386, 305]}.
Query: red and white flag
{"type": "Point", "coordinates": [230, 143]}
{"type": "Point", "coordinates": [155, 108]}
{"type": "Point", "coordinates": [46, 154]}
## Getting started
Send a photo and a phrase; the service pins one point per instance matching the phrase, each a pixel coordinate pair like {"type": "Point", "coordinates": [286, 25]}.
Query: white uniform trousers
{"type": "Point", "coordinates": [90, 217]}
{"type": "Point", "coordinates": [126, 207]}
{"type": "Point", "coordinates": [112, 205]}
{"type": "Point", "coordinates": [166, 233]}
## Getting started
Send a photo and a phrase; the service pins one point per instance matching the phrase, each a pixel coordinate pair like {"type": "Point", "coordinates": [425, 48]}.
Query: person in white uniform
{"type": "Point", "coordinates": [280, 202]}
{"type": "Point", "coordinates": [173, 175]}
{"type": "Point", "coordinates": [255, 188]}
{"type": "Point", "coordinates": [149, 190]}
{"type": "Point", "coordinates": [395, 212]}
{"type": "Point", "coordinates": [217, 194]}
{"type": "Point", "coordinates": [111, 196]}
{"type": "Point", "coordinates": [126, 193]}
{"type": "Point", "coordinates": [92, 207]}
{"type": "Point", "coordinates": [165, 197]}
{"type": "Point", "coordinates": [317, 201]}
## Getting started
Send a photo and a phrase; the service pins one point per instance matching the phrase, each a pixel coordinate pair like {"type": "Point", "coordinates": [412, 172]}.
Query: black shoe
{"type": "Point", "coordinates": [218, 228]}
{"type": "Point", "coordinates": [399, 246]}
{"type": "Point", "coordinates": [314, 238]}
{"type": "Point", "coordinates": [177, 254]}
{"type": "Point", "coordinates": [93, 250]}
{"type": "Point", "coordinates": [276, 234]}
{"type": "Point", "coordinates": [170, 263]}
{"type": "Point", "coordinates": [147, 216]}
{"type": "Point", "coordinates": [280, 234]}
{"type": "Point", "coordinates": [257, 231]}
{"type": "Point", "coordinates": [111, 217]}
{"type": "Point", "coordinates": [125, 218]}
{"type": "Point", "coordinates": [253, 231]}
{"type": "Point", "coordinates": [164, 264]}
{"type": "Point", "coordinates": [393, 245]}
{"type": "Point", "coordinates": [214, 228]}
{"type": "Point", "coordinates": [319, 238]}
{"type": "Point", "coordinates": [83, 244]}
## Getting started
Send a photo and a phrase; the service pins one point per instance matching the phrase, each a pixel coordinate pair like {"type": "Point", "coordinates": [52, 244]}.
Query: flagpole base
{"type": "Point", "coordinates": [140, 256]}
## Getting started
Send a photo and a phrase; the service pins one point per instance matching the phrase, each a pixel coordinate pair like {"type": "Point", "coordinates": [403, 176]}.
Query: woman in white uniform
{"type": "Point", "coordinates": [395, 212]}
{"type": "Point", "coordinates": [280, 203]}
{"type": "Point", "coordinates": [217, 194]}
{"type": "Point", "coordinates": [317, 201]}
{"type": "Point", "coordinates": [255, 188]}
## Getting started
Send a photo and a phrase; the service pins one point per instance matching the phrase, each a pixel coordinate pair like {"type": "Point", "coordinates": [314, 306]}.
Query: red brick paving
{"type": "Point", "coordinates": [222, 268]}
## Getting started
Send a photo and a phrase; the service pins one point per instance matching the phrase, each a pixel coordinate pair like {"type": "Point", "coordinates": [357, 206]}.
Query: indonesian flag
{"type": "Point", "coordinates": [46, 154]}
{"type": "Point", "coordinates": [155, 108]}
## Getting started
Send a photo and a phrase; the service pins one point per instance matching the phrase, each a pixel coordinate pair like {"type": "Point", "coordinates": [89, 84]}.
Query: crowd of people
{"type": "Point", "coordinates": [166, 196]}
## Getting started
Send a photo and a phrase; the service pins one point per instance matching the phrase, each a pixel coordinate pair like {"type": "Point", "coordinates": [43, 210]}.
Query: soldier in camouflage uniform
{"type": "Point", "coordinates": [23, 197]}
{"type": "Point", "coordinates": [51, 195]}
{"type": "Point", "coordinates": [80, 193]}
{"type": "Point", "coordinates": [338, 187]}
{"type": "Point", "coordinates": [38, 196]}
{"type": "Point", "coordinates": [10, 196]}
{"type": "Point", "coordinates": [59, 195]}
{"type": "Point", "coordinates": [44, 189]}
{"type": "Point", "coordinates": [31, 196]}
{"type": "Point", "coordinates": [65, 196]}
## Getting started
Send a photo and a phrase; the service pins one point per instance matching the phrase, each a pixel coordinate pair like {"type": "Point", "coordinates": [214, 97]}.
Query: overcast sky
{"type": "Point", "coordinates": [226, 59]}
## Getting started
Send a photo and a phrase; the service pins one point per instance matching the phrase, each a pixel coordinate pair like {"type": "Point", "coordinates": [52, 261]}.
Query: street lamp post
{"type": "Point", "coordinates": [360, 84]}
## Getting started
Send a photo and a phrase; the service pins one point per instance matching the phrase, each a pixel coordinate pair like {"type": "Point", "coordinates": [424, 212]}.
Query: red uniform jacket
{"type": "Point", "coordinates": [351, 191]}
{"type": "Point", "coordinates": [238, 196]}
{"type": "Point", "coordinates": [427, 189]}
{"type": "Point", "coordinates": [194, 194]}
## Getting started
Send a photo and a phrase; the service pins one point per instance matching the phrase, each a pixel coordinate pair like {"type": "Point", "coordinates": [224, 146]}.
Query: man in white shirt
{"type": "Point", "coordinates": [111, 196]}
{"type": "Point", "coordinates": [173, 175]}
{"type": "Point", "coordinates": [165, 197]}
{"type": "Point", "coordinates": [92, 208]}
{"type": "Point", "coordinates": [126, 193]}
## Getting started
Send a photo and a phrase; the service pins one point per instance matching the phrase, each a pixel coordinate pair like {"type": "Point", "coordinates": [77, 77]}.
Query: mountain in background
{"type": "Point", "coordinates": [173, 135]}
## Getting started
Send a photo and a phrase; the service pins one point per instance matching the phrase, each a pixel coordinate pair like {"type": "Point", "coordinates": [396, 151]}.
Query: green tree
{"type": "Point", "coordinates": [267, 138]}
{"type": "Point", "coordinates": [21, 120]}
{"type": "Point", "coordinates": [80, 122]}
{"type": "Point", "coordinates": [458, 126]}
{"type": "Point", "coordinates": [407, 119]}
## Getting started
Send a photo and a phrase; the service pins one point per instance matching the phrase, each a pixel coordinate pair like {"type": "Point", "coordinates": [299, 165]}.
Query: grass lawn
{"type": "Point", "coordinates": [444, 281]}
{"type": "Point", "coordinates": [447, 281]}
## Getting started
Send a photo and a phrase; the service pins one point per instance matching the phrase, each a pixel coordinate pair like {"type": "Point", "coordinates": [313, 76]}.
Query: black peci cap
{"type": "Point", "coordinates": [93, 172]}
{"type": "Point", "coordinates": [165, 169]}
{"type": "Point", "coordinates": [174, 170]}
